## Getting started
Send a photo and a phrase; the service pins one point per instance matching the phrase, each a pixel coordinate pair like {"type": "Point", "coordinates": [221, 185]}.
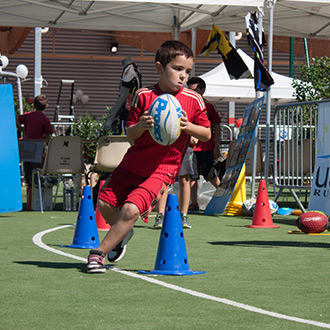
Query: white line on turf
{"type": "Point", "coordinates": [37, 240]}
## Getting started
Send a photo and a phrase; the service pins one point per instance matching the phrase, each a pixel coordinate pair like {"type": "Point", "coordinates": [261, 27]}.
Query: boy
{"type": "Point", "coordinates": [205, 152]}
{"type": "Point", "coordinates": [36, 127]}
{"type": "Point", "coordinates": [148, 168]}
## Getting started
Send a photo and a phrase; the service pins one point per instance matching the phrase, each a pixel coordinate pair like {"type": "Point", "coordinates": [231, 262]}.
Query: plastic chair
{"type": "Point", "coordinates": [109, 153]}
{"type": "Point", "coordinates": [64, 157]}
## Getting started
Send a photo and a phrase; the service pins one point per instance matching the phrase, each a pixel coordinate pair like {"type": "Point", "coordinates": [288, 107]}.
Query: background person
{"type": "Point", "coordinates": [35, 126]}
{"type": "Point", "coordinates": [130, 82]}
{"type": "Point", "coordinates": [205, 153]}
{"type": "Point", "coordinates": [185, 172]}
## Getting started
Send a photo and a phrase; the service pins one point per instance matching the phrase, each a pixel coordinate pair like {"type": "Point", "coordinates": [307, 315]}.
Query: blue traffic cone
{"type": "Point", "coordinates": [172, 256]}
{"type": "Point", "coordinates": [86, 235]}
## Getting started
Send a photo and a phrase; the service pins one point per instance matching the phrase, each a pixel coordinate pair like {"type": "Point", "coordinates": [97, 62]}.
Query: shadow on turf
{"type": "Point", "coordinates": [272, 244]}
{"type": "Point", "coordinates": [57, 265]}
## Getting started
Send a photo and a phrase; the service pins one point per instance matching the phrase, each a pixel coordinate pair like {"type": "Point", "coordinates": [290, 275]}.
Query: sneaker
{"type": "Point", "coordinates": [119, 251]}
{"type": "Point", "coordinates": [159, 221]}
{"type": "Point", "coordinates": [96, 262]}
{"type": "Point", "coordinates": [194, 207]}
{"type": "Point", "coordinates": [185, 222]}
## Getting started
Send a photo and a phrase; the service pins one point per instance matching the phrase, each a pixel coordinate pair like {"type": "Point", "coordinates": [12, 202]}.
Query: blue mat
{"type": "Point", "coordinates": [10, 183]}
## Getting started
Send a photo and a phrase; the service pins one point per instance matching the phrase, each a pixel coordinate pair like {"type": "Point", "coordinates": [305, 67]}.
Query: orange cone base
{"type": "Point", "coordinates": [267, 226]}
{"type": "Point", "coordinates": [101, 224]}
{"type": "Point", "coordinates": [262, 217]}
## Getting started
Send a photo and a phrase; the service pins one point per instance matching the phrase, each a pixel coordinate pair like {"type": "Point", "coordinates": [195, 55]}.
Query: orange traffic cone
{"type": "Point", "coordinates": [262, 217]}
{"type": "Point", "coordinates": [100, 221]}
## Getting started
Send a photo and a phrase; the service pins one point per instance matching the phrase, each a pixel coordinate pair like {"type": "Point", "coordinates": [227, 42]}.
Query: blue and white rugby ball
{"type": "Point", "coordinates": [167, 112]}
{"type": "Point", "coordinates": [250, 204]}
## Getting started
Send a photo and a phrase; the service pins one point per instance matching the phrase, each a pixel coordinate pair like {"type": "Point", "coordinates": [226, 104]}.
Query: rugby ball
{"type": "Point", "coordinates": [250, 204]}
{"type": "Point", "coordinates": [313, 222]}
{"type": "Point", "coordinates": [166, 112]}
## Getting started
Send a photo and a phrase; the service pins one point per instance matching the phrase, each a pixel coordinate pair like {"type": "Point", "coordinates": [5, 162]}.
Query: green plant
{"type": "Point", "coordinates": [27, 106]}
{"type": "Point", "coordinates": [89, 130]}
{"type": "Point", "coordinates": [314, 83]}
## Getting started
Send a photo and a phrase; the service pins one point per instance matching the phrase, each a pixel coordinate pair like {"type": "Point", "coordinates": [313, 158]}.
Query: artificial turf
{"type": "Point", "coordinates": [265, 268]}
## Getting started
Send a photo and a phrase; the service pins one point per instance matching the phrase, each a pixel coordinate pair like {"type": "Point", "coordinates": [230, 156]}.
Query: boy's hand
{"type": "Point", "coordinates": [184, 120]}
{"type": "Point", "coordinates": [199, 132]}
{"type": "Point", "coordinates": [193, 141]}
{"type": "Point", "coordinates": [146, 121]}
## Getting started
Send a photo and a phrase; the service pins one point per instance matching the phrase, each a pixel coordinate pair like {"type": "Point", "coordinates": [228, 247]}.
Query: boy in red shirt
{"type": "Point", "coordinates": [36, 126]}
{"type": "Point", "coordinates": [205, 152]}
{"type": "Point", "coordinates": [148, 167]}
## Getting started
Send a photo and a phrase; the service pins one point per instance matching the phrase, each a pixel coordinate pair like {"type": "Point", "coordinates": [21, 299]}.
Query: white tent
{"type": "Point", "coordinates": [219, 87]}
{"type": "Point", "coordinates": [293, 18]}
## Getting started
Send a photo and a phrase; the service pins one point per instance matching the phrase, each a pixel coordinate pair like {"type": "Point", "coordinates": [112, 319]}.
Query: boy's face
{"type": "Point", "coordinates": [175, 74]}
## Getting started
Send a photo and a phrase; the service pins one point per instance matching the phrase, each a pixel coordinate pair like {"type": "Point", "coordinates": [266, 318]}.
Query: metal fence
{"type": "Point", "coordinates": [294, 141]}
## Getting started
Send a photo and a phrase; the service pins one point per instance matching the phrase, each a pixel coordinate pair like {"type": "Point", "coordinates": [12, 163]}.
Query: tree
{"type": "Point", "coordinates": [314, 83]}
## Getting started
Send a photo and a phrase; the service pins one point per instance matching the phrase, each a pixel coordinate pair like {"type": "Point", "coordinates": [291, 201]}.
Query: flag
{"type": "Point", "coordinates": [262, 77]}
{"type": "Point", "coordinates": [235, 65]}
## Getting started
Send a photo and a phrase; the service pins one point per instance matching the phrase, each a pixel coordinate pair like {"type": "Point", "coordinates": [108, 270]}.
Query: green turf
{"type": "Point", "coordinates": [264, 268]}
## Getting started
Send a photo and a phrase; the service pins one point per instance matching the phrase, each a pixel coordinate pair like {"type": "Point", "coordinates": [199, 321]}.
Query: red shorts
{"type": "Point", "coordinates": [125, 187]}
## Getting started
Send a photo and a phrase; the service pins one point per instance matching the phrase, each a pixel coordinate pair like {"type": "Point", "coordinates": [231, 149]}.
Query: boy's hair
{"type": "Point", "coordinates": [168, 50]}
{"type": "Point", "coordinates": [40, 102]}
{"type": "Point", "coordinates": [197, 80]}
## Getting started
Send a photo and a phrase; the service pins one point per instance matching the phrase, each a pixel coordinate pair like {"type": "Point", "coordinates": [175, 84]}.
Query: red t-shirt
{"type": "Point", "coordinates": [36, 124]}
{"type": "Point", "coordinates": [214, 118]}
{"type": "Point", "coordinates": [146, 156]}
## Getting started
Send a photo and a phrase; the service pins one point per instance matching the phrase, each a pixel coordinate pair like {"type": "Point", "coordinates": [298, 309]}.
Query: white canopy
{"type": "Point", "coordinates": [219, 87]}
{"type": "Point", "coordinates": [294, 18]}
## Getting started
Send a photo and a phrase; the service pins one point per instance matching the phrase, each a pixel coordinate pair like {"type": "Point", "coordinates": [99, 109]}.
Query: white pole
{"type": "Point", "coordinates": [193, 48]}
{"type": "Point", "coordinates": [19, 92]}
{"type": "Point", "coordinates": [231, 104]}
{"type": "Point", "coordinates": [270, 66]}
{"type": "Point", "coordinates": [37, 61]}
{"type": "Point", "coordinates": [176, 28]}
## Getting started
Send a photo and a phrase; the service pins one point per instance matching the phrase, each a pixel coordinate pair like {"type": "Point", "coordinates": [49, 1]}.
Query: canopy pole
{"type": "Point", "coordinates": [37, 61]}
{"type": "Point", "coordinates": [254, 144]}
{"type": "Point", "coordinates": [176, 28]}
{"type": "Point", "coordinates": [306, 52]}
{"type": "Point", "coordinates": [268, 94]}
{"type": "Point", "coordinates": [231, 104]}
{"type": "Point", "coordinates": [193, 48]}
{"type": "Point", "coordinates": [291, 56]}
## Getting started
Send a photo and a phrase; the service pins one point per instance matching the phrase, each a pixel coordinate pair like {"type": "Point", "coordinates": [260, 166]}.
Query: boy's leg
{"type": "Point", "coordinates": [161, 211]}
{"type": "Point", "coordinates": [121, 231]}
{"type": "Point", "coordinates": [131, 204]}
{"type": "Point", "coordinates": [215, 181]}
{"type": "Point", "coordinates": [194, 185]}
{"type": "Point", "coordinates": [184, 182]}
{"type": "Point", "coordinates": [122, 222]}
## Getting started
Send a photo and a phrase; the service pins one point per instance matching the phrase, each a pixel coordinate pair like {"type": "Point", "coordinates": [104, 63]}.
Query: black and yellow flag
{"type": "Point", "coordinates": [262, 77]}
{"type": "Point", "coordinates": [235, 65]}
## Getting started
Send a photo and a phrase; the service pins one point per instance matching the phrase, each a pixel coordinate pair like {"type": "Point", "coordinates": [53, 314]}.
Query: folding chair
{"type": "Point", "coordinates": [109, 153]}
{"type": "Point", "coordinates": [64, 157]}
